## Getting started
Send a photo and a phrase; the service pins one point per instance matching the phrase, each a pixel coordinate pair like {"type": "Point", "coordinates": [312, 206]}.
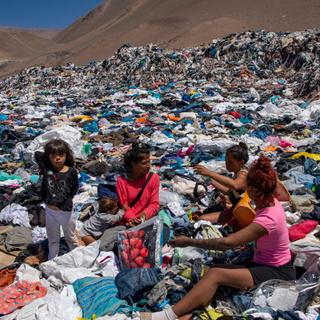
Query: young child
{"type": "Point", "coordinates": [108, 215]}
{"type": "Point", "coordinates": [59, 186]}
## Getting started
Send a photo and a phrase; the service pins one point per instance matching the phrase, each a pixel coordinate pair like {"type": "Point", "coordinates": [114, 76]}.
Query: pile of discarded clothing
{"type": "Point", "coordinates": [189, 106]}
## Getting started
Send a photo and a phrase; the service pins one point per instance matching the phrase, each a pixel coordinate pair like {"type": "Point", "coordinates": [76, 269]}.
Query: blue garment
{"type": "Point", "coordinates": [91, 127]}
{"type": "Point", "coordinates": [132, 281]}
{"type": "Point", "coordinates": [107, 190]}
{"type": "Point", "coordinates": [98, 296]}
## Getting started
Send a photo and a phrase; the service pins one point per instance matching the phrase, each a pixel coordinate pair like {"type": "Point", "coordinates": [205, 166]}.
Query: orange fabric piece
{"type": "Point", "coordinates": [7, 277]}
{"type": "Point", "coordinates": [142, 120]}
{"type": "Point", "coordinates": [173, 118]}
{"type": "Point", "coordinates": [270, 149]}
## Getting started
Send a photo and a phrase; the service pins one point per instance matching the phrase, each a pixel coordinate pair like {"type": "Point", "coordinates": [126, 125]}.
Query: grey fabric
{"type": "Point", "coordinates": [110, 237]}
{"type": "Point", "coordinates": [100, 222]}
{"type": "Point", "coordinates": [18, 238]}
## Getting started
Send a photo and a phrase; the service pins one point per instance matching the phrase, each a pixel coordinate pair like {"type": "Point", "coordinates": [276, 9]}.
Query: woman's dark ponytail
{"type": "Point", "coordinates": [239, 152]}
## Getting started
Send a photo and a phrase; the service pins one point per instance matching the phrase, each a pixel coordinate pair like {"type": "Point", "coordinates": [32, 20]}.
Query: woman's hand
{"type": "Point", "coordinates": [181, 242]}
{"type": "Point", "coordinates": [225, 200]}
{"type": "Point", "coordinates": [134, 222]}
{"type": "Point", "coordinates": [143, 216]}
{"type": "Point", "coordinates": [202, 170]}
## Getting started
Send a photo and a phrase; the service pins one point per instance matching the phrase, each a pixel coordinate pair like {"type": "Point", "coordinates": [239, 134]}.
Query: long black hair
{"type": "Point", "coordinates": [239, 152]}
{"type": "Point", "coordinates": [60, 147]}
{"type": "Point", "coordinates": [137, 152]}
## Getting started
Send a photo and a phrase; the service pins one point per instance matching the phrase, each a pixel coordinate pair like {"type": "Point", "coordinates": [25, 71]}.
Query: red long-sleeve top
{"type": "Point", "coordinates": [148, 202]}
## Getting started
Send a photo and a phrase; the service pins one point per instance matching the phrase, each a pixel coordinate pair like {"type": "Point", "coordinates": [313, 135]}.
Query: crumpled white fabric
{"type": "Point", "coordinates": [176, 209]}
{"type": "Point", "coordinates": [53, 306]}
{"type": "Point", "coordinates": [166, 196]}
{"type": "Point", "coordinates": [27, 273]}
{"type": "Point", "coordinates": [215, 165]}
{"type": "Point", "coordinates": [106, 264]}
{"type": "Point", "coordinates": [15, 214]}
{"type": "Point", "coordinates": [312, 112]}
{"type": "Point", "coordinates": [159, 138]}
{"type": "Point", "coordinates": [292, 217]}
{"type": "Point", "coordinates": [74, 265]}
{"type": "Point", "coordinates": [214, 144]}
{"type": "Point", "coordinates": [283, 299]}
{"type": "Point", "coordinates": [9, 182]}
{"type": "Point", "coordinates": [38, 234]}
{"type": "Point", "coordinates": [69, 134]}
{"type": "Point", "coordinates": [185, 186]}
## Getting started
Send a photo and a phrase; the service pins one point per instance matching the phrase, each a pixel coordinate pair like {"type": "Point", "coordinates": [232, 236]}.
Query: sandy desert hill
{"type": "Point", "coordinates": [169, 23]}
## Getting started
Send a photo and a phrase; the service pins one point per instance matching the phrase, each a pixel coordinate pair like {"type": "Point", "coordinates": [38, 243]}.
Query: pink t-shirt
{"type": "Point", "coordinates": [274, 248]}
{"type": "Point", "coordinates": [148, 202]}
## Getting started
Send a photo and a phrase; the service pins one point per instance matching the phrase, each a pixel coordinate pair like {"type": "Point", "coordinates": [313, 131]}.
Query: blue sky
{"type": "Point", "coordinates": [51, 14]}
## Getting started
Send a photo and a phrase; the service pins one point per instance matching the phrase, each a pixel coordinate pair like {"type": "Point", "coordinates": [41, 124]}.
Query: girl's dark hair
{"type": "Point", "coordinates": [135, 154]}
{"type": "Point", "coordinates": [60, 147]}
{"type": "Point", "coordinates": [239, 152]}
{"type": "Point", "coordinates": [263, 178]}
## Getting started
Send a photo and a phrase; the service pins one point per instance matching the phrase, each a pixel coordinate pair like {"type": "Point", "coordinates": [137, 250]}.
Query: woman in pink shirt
{"type": "Point", "coordinates": [138, 175]}
{"type": "Point", "coordinates": [272, 258]}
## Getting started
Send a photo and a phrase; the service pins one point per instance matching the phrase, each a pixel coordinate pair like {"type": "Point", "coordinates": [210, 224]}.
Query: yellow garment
{"type": "Point", "coordinates": [79, 118]}
{"type": "Point", "coordinates": [313, 156]}
{"type": "Point", "coordinates": [210, 314]}
{"type": "Point", "coordinates": [187, 272]}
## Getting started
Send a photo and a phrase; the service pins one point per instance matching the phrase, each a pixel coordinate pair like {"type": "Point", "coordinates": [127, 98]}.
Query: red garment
{"type": "Point", "coordinates": [186, 153]}
{"type": "Point", "coordinates": [301, 229]}
{"type": "Point", "coordinates": [235, 114]}
{"type": "Point", "coordinates": [149, 201]}
{"type": "Point", "coordinates": [20, 294]}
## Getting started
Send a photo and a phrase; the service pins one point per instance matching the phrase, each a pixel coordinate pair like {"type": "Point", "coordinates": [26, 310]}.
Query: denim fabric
{"type": "Point", "coordinates": [310, 167]}
{"type": "Point", "coordinates": [285, 315]}
{"type": "Point", "coordinates": [242, 301]}
{"type": "Point", "coordinates": [133, 281]}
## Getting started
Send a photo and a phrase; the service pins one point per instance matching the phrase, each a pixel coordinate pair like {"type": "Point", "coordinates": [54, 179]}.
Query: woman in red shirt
{"type": "Point", "coordinates": [138, 175]}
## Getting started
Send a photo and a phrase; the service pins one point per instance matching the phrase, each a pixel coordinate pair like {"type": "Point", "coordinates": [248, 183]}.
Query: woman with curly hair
{"type": "Point", "coordinates": [272, 257]}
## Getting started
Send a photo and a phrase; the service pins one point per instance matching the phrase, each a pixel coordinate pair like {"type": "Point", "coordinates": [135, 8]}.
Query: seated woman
{"type": "Point", "coordinates": [138, 189]}
{"type": "Point", "coordinates": [236, 158]}
{"type": "Point", "coordinates": [272, 258]}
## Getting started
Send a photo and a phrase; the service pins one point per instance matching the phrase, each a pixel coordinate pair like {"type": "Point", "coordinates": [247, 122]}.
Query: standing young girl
{"type": "Point", "coordinates": [59, 186]}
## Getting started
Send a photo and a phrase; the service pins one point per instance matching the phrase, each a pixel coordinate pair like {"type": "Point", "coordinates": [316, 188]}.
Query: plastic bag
{"type": "Point", "coordinates": [140, 246]}
{"type": "Point", "coordinates": [289, 295]}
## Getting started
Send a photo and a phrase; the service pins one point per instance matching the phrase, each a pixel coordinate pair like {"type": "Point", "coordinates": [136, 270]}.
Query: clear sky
{"type": "Point", "coordinates": [53, 14]}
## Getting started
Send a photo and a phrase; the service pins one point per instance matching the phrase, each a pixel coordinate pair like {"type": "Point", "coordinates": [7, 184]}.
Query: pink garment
{"type": "Point", "coordinates": [301, 229]}
{"type": "Point", "coordinates": [20, 294]}
{"type": "Point", "coordinates": [272, 249]}
{"type": "Point", "coordinates": [149, 201]}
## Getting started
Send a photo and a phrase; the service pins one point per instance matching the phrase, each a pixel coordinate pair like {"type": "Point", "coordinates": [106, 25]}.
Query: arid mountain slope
{"type": "Point", "coordinates": [169, 23]}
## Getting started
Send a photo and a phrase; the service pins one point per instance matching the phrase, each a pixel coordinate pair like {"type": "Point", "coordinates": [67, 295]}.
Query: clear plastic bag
{"type": "Point", "coordinates": [288, 295]}
{"type": "Point", "coordinates": [140, 246]}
